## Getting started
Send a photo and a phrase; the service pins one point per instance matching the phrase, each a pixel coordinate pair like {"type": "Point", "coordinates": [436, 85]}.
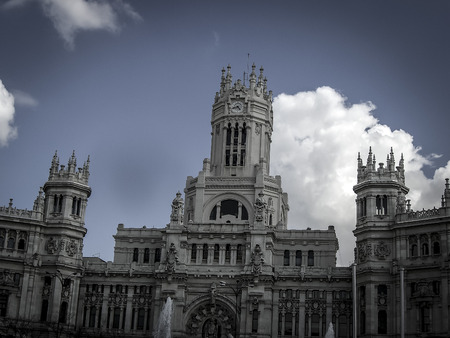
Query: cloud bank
{"type": "Point", "coordinates": [316, 141]}
{"type": "Point", "coordinates": [70, 17]}
{"type": "Point", "coordinates": [7, 130]}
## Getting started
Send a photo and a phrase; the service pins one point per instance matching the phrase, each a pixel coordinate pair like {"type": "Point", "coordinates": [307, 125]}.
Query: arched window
{"type": "Point", "coordinates": [227, 253]}
{"type": "Point", "coordinates": [11, 243]}
{"type": "Point", "coordinates": [135, 254]}
{"type": "Point", "coordinates": [239, 253]}
{"type": "Point", "coordinates": [146, 255]}
{"type": "Point", "coordinates": [21, 244]}
{"type": "Point", "coordinates": [205, 253]}
{"type": "Point", "coordinates": [286, 258]}
{"type": "Point", "coordinates": [194, 253]}
{"type": "Point", "coordinates": [310, 258]}
{"type": "Point", "coordinates": [413, 249]}
{"type": "Point", "coordinates": [157, 255]}
{"type": "Point", "coordinates": [216, 253]}
{"type": "Point", "coordinates": [229, 207]}
{"type": "Point", "coordinates": [244, 134]}
{"type": "Point", "coordinates": [298, 258]}
{"type": "Point", "coordinates": [228, 141]}
{"type": "Point", "coordinates": [140, 319]}
{"type": "Point", "coordinates": [425, 250]}
{"type": "Point", "coordinates": [288, 324]}
{"type": "Point", "coordinates": [436, 248]}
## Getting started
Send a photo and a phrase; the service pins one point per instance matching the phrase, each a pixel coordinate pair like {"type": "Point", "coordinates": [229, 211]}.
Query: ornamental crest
{"type": "Point", "coordinates": [71, 248]}
{"type": "Point", "coordinates": [171, 259]}
{"type": "Point", "coordinates": [52, 245]}
{"type": "Point", "coordinates": [257, 260]}
{"type": "Point", "coordinates": [364, 251]}
{"type": "Point", "coordinates": [382, 250]}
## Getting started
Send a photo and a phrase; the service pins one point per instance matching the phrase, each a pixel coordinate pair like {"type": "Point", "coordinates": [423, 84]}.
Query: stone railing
{"type": "Point", "coordinates": [14, 212]}
{"type": "Point", "coordinates": [423, 213]}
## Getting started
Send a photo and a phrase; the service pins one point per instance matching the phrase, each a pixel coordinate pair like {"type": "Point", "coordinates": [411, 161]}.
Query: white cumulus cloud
{"type": "Point", "coordinates": [70, 17]}
{"type": "Point", "coordinates": [7, 130]}
{"type": "Point", "coordinates": [316, 141]}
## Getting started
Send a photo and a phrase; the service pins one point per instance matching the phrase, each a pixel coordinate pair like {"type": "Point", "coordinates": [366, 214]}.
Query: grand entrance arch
{"type": "Point", "coordinates": [206, 319]}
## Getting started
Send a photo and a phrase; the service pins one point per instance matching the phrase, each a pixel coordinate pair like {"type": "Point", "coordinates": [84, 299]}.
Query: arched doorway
{"type": "Point", "coordinates": [207, 320]}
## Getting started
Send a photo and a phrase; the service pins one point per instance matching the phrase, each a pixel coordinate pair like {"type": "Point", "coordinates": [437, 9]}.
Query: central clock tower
{"type": "Point", "coordinates": [234, 186]}
{"type": "Point", "coordinates": [241, 123]}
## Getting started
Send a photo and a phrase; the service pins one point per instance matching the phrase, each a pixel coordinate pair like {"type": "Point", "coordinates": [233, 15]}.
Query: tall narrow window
{"type": "Point", "coordinates": [116, 318]}
{"type": "Point", "coordinates": [92, 316]}
{"type": "Point", "coordinates": [288, 324]}
{"type": "Point", "coordinates": [194, 253]}
{"type": "Point", "coordinates": [343, 326]}
{"type": "Point", "coordinates": [229, 134]}
{"type": "Point", "coordinates": [362, 322]}
{"type": "Point", "coordinates": [310, 258]}
{"type": "Point", "coordinates": [135, 254]}
{"type": "Point", "coordinates": [140, 319]}
{"type": "Point", "coordinates": [315, 324]}
{"type": "Point", "coordinates": [255, 321]}
{"type": "Point", "coordinates": [44, 310]}
{"type": "Point", "coordinates": [382, 322]}
{"type": "Point", "coordinates": [227, 253]}
{"type": "Point", "coordinates": [63, 313]}
{"type": "Point", "coordinates": [146, 255]}
{"type": "Point", "coordinates": [216, 253]}
{"type": "Point", "coordinates": [286, 258]}
{"type": "Point", "coordinates": [74, 205]}
{"type": "Point", "coordinates": [21, 244]}
{"type": "Point", "coordinates": [239, 253]}
{"type": "Point", "coordinates": [205, 253]}
{"type": "Point", "coordinates": [244, 134]}
{"type": "Point", "coordinates": [157, 255]}
{"type": "Point", "coordinates": [11, 243]}
{"type": "Point", "coordinates": [298, 258]}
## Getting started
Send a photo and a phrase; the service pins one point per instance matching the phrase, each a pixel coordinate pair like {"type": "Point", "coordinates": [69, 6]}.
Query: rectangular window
{"type": "Point", "coordinates": [255, 321]}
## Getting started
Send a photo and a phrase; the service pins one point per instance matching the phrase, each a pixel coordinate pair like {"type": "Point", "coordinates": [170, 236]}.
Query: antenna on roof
{"type": "Point", "coordinates": [248, 69]}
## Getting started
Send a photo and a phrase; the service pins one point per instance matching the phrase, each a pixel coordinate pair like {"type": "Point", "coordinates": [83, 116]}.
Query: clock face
{"type": "Point", "coordinates": [237, 107]}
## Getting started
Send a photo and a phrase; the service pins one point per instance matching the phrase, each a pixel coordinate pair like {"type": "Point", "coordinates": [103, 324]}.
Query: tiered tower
{"type": "Point", "coordinates": [236, 178]}
{"type": "Point", "coordinates": [66, 194]}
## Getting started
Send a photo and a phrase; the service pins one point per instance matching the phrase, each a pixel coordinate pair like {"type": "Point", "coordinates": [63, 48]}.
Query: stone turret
{"type": "Point", "coordinates": [66, 192]}
{"type": "Point", "coordinates": [380, 190]}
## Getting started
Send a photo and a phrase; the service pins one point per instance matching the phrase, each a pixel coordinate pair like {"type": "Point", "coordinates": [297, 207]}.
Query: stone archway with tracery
{"type": "Point", "coordinates": [210, 319]}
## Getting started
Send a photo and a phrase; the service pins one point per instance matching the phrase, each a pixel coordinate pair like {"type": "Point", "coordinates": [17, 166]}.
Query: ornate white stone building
{"type": "Point", "coordinates": [227, 261]}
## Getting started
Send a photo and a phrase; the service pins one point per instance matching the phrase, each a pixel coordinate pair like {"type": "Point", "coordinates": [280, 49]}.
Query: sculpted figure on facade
{"type": "Point", "coordinates": [172, 258]}
{"type": "Point", "coordinates": [260, 207]}
{"type": "Point", "coordinates": [257, 260]}
{"type": "Point", "coordinates": [177, 208]}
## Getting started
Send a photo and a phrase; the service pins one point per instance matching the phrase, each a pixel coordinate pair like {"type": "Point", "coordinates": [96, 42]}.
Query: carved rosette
{"type": "Point", "coordinates": [93, 298]}
{"type": "Point", "coordinates": [117, 299]}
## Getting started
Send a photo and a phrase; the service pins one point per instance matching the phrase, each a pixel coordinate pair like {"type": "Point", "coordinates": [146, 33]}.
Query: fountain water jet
{"type": "Point", "coordinates": [165, 321]}
{"type": "Point", "coordinates": [330, 332]}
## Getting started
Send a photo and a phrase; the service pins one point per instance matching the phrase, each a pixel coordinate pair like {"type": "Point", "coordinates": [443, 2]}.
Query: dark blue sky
{"type": "Point", "coordinates": [137, 98]}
